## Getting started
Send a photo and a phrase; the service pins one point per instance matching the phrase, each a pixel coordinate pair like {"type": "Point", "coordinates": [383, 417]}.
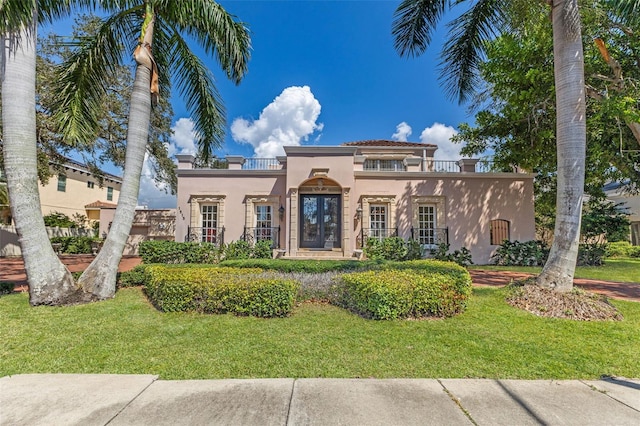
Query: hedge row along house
{"type": "Point", "coordinates": [326, 201]}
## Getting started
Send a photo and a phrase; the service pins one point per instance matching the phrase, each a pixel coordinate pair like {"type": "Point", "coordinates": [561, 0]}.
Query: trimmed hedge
{"type": "Point", "coordinates": [220, 290]}
{"type": "Point", "coordinates": [162, 251]}
{"type": "Point", "coordinates": [74, 245]}
{"type": "Point", "coordinates": [622, 249]}
{"type": "Point", "coordinates": [408, 289]}
{"type": "Point", "coordinates": [310, 266]}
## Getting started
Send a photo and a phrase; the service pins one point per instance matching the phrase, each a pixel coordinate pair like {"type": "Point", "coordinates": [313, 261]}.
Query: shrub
{"type": "Point", "coordinates": [74, 245]}
{"type": "Point", "coordinates": [591, 254]}
{"type": "Point", "coordinates": [417, 289]}
{"type": "Point", "coordinates": [6, 287]}
{"type": "Point", "coordinates": [392, 248]}
{"type": "Point", "coordinates": [220, 290]}
{"type": "Point", "coordinates": [462, 257]}
{"type": "Point", "coordinates": [237, 250]}
{"type": "Point", "coordinates": [162, 251]}
{"type": "Point", "coordinates": [516, 253]}
{"type": "Point", "coordinates": [309, 266]}
{"type": "Point", "coordinates": [622, 249]}
{"type": "Point", "coordinates": [137, 276]}
{"type": "Point", "coordinates": [262, 249]}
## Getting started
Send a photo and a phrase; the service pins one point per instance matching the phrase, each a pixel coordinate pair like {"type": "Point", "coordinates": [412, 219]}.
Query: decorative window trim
{"type": "Point", "coordinates": [438, 200]}
{"type": "Point", "coordinates": [197, 200]}
{"type": "Point", "coordinates": [250, 211]}
{"type": "Point", "coordinates": [367, 200]}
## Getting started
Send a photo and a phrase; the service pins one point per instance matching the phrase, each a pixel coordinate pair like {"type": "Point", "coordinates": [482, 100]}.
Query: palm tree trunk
{"type": "Point", "coordinates": [100, 277]}
{"type": "Point", "coordinates": [50, 282]}
{"type": "Point", "coordinates": [571, 138]}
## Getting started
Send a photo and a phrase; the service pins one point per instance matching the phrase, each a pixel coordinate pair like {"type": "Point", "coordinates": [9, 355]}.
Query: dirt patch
{"type": "Point", "coordinates": [576, 305]}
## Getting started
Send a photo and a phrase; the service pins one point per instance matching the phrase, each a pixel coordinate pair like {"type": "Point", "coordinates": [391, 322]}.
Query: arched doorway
{"type": "Point", "coordinates": [320, 207]}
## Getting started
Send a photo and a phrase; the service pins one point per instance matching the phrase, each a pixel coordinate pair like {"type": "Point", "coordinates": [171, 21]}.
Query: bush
{"type": "Point", "coordinates": [262, 250]}
{"type": "Point", "coordinates": [591, 254]}
{"type": "Point", "coordinates": [6, 287]}
{"type": "Point", "coordinates": [462, 257]}
{"type": "Point", "coordinates": [409, 292]}
{"type": "Point", "coordinates": [622, 249]}
{"type": "Point", "coordinates": [392, 248]}
{"type": "Point", "coordinates": [74, 245]}
{"type": "Point", "coordinates": [237, 250]}
{"type": "Point", "coordinates": [515, 253]}
{"type": "Point", "coordinates": [220, 290]}
{"type": "Point", "coordinates": [162, 251]}
{"type": "Point", "coordinates": [136, 277]}
{"type": "Point", "coordinates": [310, 266]}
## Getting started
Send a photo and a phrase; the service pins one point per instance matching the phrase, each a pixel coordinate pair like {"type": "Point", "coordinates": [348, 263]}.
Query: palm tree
{"type": "Point", "coordinates": [414, 21]}
{"type": "Point", "coordinates": [160, 47]}
{"type": "Point", "coordinates": [50, 282]}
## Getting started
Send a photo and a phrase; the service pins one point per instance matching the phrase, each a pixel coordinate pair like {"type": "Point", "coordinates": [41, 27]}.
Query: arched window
{"type": "Point", "coordinates": [499, 229]}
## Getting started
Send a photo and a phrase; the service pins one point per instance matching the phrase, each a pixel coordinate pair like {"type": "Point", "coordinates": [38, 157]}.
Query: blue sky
{"type": "Point", "coordinates": [323, 73]}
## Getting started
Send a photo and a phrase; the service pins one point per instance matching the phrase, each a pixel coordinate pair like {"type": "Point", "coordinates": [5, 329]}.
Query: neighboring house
{"type": "Point", "coordinates": [147, 224]}
{"type": "Point", "coordinates": [629, 204]}
{"type": "Point", "coordinates": [75, 190]}
{"type": "Point", "coordinates": [328, 200]}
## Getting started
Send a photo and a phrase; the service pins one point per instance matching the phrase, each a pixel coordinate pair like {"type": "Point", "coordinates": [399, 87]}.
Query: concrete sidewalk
{"type": "Point", "coordinates": [143, 400]}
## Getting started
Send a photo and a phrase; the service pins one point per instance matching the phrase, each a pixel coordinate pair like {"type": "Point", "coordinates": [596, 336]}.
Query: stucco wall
{"type": "Point", "coordinates": [76, 195]}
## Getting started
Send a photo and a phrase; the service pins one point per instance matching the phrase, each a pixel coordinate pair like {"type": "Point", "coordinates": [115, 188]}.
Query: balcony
{"type": "Point", "coordinates": [253, 235]}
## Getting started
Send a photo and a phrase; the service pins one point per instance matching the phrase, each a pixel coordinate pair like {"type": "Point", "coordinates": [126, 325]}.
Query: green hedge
{"type": "Point", "coordinates": [310, 266]}
{"type": "Point", "coordinates": [220, 290]}
{"type": "Point", "coordinates": [161, 251]}
{"type": "Point", "coordinates": [622, 249]}
{"type": "Point", "coordinates": [407, 289]}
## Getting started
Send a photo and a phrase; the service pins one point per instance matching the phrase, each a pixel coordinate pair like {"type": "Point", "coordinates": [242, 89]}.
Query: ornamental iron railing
{"type": "Point", "coordinates": [430, 237]}
{"type": "Point", "coordinates": [376, 233]}
{"type": "Point", "coordinates": [253, 235]}
{"type": "Point", "coordinates": [206, 235]}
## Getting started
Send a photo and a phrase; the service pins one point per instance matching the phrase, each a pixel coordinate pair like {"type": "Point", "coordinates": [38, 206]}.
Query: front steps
{"type": "Point", "coordinates": [318, 254]}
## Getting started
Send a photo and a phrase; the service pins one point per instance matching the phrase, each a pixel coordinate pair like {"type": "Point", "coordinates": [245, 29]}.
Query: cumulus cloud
{"type": "Point", "coordinates": [439, 134]}
{"type": "Point", "coordinates": [183, 139]}
{"type": "Point", "coordinates": [403, 131]}
{"type": "Point", "coordinates": [290, 119]}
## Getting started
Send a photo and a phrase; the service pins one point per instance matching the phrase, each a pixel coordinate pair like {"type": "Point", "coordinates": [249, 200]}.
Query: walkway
{"type": "Point", "coordinates": [12, 269]}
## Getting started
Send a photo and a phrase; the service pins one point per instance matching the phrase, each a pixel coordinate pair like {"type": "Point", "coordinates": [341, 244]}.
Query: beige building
{"type": "Point", "coordinates": [329, 200]}
{"type": "Point", "coordinates": [77, 190]}
{"type": "Point", "coordinates": [629, 203]}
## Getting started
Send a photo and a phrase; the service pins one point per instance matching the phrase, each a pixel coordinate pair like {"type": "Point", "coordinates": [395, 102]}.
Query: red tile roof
{"type": "Point", "coordinates": [100, 204]}
{"type": "Point", "coordinates": [381, 142]}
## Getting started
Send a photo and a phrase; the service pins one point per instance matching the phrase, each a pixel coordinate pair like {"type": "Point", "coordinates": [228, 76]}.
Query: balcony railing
{"type": "Point", "coordinates": [253, 235]}
{"type": "Point", "coordinates": [206, 235]}
{"type": "Point", "coordinates": [376, 233]}
{"type": "Point", "coordinates": [261, 164]}
{"type": "Point", "coordinates": [430, 237]}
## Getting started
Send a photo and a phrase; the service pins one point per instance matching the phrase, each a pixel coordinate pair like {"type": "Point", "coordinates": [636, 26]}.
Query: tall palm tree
{"type": "Point", "coordinates": [50, 282]}
{"type": "Point", "coordinates": [154, 31]}
{"type": "Point", "coordinates": [414, 22]}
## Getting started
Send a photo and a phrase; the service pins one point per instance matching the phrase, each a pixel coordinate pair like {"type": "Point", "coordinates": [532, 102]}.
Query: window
{"type": "Point", "coordinates": [263, 222]}
{"type": "Point", "coordinates": [427, 226]}
{"type": "Point", "coordinates": [499, 229]}
{"type": "Point", "coordinates": [109, 193]}
{"type": "Point", "coordinates": [62, 182]}
{"type": "Point", "coordinates": [209, 214]}
{"type": "Point", "coordinates": [384, 165]}
{"type": "Point", "coordinates": [90, 184]}
{"type": "Point", "coordinates": [378, 221]}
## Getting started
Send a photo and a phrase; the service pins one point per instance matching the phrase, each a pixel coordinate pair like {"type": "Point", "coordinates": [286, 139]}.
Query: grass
{"type": "Point", "coordinates": [626, 270]}
{"type": "Point", "coordinates": [490, 340]}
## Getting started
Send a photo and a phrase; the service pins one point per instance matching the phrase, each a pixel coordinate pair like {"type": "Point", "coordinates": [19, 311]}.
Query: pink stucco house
{"type": "Point", "coordinates": [327, 200]}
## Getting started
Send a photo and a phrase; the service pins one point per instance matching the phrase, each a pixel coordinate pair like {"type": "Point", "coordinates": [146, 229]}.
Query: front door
{"type": "Point", "coordinates": [320, 224]}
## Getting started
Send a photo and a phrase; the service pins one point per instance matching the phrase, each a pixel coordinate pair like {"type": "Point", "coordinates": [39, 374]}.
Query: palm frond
{"type": "Point", "coordinates": [413, 24]}
{"type": "Point", "coordinates": [80, 85]}
{"type": "Point", "coordinates": [630, 8]}
{"type": "Point", "coordinates": [196, 84]}
{"type": "Point", "coordinates": [216, 30]}
{"type": "Point", "coordinates": [463, 52]}
{"type": "Point", "coordinates": [14, 14]}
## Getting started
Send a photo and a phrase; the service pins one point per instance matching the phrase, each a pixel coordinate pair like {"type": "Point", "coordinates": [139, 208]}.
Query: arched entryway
{"type": "Point", "coordinates": [320, 207]}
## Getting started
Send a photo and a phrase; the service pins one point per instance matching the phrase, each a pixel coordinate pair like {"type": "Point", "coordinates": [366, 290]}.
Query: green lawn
{"type": "Point", "coordinates": [615, 269]}
{"type": "Point", "coordinates": [491, 339]}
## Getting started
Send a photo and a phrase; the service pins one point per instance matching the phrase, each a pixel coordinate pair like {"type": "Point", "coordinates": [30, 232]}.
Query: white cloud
{"type": "Point", "coordinates": [403, 131]}
{"type": "Point", "coordinates": [439, 134]}
{"type": "Point", "coordinates": [290, 119]}
{"type": "Point", "coordinates": [183, 139]}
